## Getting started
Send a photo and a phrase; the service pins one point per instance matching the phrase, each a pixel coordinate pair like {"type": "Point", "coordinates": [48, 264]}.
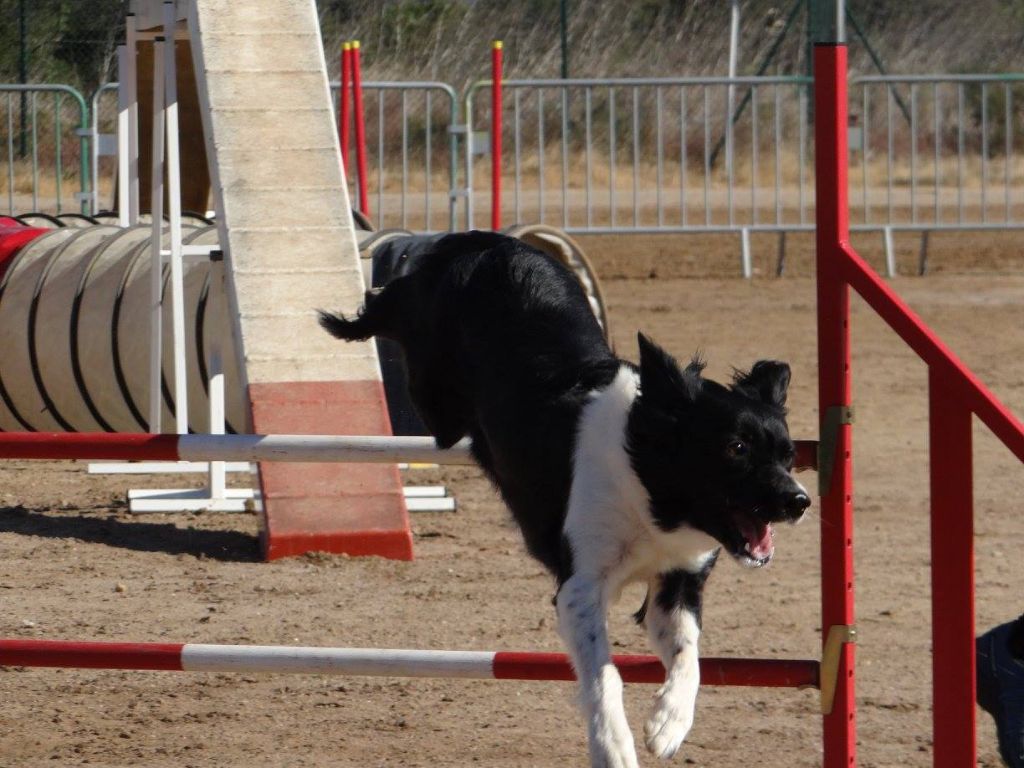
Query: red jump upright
{"type": "Point", "coordinates": [955, 394]}
{"type": "Point", "coordinates": [360, 119]}
{"type": "Point", "coordinates": [496, 128]}
{"type": "Point", "coordinates": [345, 106]}
{"type": "Point", "coordinates": [833, 233]}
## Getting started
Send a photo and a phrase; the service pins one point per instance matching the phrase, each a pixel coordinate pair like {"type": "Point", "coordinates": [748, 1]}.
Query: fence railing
{"type": "Point", "coordinates": [927, 153]}
{"type": "Point", "coordinates": [937, 151]}
{"type": "Point", "coordinates": [411, 153]}
{"type": "Point", "coordinates": [658, 154]}
{"type": "Point", "coordinates": [45, 144]}
{"type": "Point", "coordinates": [411, 150]}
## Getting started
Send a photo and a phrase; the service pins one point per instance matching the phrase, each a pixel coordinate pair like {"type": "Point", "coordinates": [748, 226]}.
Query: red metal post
{"type": "Point", "coordinates": [357, 100]}
{"type": "Point", "coordinates": [952, 536]}
{"type": "Point", "coordinates": [344, 105]}
{"type": "Point", "coordinates": [496, 62]}
{"type": "Point", "coordinates": [834, 388]}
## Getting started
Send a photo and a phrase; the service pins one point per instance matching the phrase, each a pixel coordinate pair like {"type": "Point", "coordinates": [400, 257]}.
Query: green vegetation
{"type": "Point", "coordinates": [73, 41]}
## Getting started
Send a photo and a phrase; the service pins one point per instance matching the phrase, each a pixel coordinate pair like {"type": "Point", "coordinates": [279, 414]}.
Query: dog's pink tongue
{"type": "Point", "coordinates": [759, 538]}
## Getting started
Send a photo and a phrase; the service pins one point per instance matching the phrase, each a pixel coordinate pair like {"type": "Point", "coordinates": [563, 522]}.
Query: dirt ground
{"type": "Point", "coordinates": [76, 565]}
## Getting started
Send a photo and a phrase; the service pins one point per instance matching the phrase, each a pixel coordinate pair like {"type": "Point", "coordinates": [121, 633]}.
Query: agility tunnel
{"type": "Point", "coordinates": [74, 327]}
{"type": "Point", "coordinates": [75, 316]}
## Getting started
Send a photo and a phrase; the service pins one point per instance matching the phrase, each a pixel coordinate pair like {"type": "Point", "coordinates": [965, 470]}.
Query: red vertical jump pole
{"type": "Point", "coordinates": [834, 390]}
{"type": "Point", "coordinates": [344, 105]}
{"type": "Point", "coordinates": [952, 537]}
{"type": "Point", "coordinates": [496, 62]}
{"type": "Point", "coordinates": [357, 101]}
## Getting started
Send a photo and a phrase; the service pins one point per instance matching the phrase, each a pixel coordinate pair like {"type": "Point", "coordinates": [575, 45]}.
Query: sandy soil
{"type": "Point", "coordinates": [76, 565]}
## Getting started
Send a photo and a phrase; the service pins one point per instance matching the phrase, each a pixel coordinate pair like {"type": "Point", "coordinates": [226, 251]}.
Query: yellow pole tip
{"type": "Point", "coordinates": [497, 45]}
{"type": "Point", "coordinates": [355, 43]}
{"type": "Point", "coordinates": [346, 46]}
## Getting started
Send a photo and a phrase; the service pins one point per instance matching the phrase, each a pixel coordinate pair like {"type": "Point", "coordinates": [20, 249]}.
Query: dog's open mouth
{"type": "Point", "coordinates": [758, 545]}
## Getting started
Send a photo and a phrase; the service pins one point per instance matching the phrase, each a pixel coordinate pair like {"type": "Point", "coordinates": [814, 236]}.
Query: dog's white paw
{"type": "Point", "coordinates": [669, 725]}
{"type": "Point", "coordinates": [611, 744]}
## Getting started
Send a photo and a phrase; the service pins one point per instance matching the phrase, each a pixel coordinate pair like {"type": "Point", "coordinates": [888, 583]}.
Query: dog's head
{"type": "Point", "coordinates": [716, 458]}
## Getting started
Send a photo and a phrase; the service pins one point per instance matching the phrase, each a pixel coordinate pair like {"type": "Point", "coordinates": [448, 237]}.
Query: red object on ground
{"type": "Point", "coordinates": [344, 105]}
{"type": "Point", "coordinates": [357, 509]}
{"type": "Point", "coordinates": [13, 237]}
{"type": "Point", "coordinates": [496, 127]}
{"type": "Point", "coordinates": [357, 101]}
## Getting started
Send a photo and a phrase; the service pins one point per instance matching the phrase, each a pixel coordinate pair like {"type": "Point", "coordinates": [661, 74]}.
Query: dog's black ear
{"type": "Point", "coordinates": [768, 380]}
{"type": "Point", "coordinates": [662, 381]}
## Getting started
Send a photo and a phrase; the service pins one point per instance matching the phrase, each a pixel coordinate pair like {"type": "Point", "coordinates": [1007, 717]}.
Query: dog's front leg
{"type": "Point", "coordinates": [581, 606]}
{"type": "Point", "coordinates": [673, 625]}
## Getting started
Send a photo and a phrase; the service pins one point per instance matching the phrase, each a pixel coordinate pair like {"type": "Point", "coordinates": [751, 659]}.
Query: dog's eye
{"type": "Point", "coordinates": [736, 449]}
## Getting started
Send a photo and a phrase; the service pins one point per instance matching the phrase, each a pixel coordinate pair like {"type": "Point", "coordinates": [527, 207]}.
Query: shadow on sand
{"type": "Point", "coordinates": [142, 536]}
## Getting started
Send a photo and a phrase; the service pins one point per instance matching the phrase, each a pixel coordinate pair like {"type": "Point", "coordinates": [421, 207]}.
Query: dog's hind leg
{"type": "Point", "coordinates": [673, 626]}
{"type": "Point", "coordinates": [581, 605]}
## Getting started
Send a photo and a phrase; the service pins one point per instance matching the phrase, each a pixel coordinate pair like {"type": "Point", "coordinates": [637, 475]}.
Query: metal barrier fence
{"type": "Point", "coordinates": [45, 133]}
{"type": "Point", "coordinates": [928, 153]}
{"type": "Point", "coordinates": [937, 151]}
{"type": "Point", "coordinates": [411, 153]}
{"type": "Point", "coordinates": [653, 155]}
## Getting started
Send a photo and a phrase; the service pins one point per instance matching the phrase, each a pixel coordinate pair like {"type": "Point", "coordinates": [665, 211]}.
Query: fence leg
{"type": "Point", "coordinates": [952, 519]}
{"type": "Point", "coordinates": [746, 261]}
{"type": "Point", "coordinates": [890, 252]}
{"type": "Point", "coordinates": [780, 264]}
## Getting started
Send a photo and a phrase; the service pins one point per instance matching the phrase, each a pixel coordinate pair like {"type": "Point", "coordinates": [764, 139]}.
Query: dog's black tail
{"type": "Point", "coordinates": [340, 327]}
{"type": "Point", "coordinates": [375, 317]}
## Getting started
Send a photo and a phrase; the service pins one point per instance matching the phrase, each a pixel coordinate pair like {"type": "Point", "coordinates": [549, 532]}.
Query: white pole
{"type": "Point", "coordinates": [218, 469]}
{"type": "Point", "coordinates": [174, 202]}
{"type": "Point", "coordinates": [156, 259]}
{"type": "Point", "coordinates": [734, 37]}
{"type": "Point", "coordinates": [123, 160]}
{"type": "Point", "coordinates": [373, 662]}
{"type": "Point", "coordinates": [131, 86]}
{"type": "Point", "coordinates": [734, 44]}
{"type": "Point", "coordinates": [364, 449]}
{"type": "Point", "coordinates": [841, 22]}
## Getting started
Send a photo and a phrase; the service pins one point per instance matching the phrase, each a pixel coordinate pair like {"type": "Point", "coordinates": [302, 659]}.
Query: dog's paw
{"type": "Point", "coordinates": [612, 743]}
{"type": "Point", "coordinates": [668, 726]}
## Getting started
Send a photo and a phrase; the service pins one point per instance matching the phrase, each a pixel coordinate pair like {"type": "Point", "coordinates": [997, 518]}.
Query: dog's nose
{"type": "Point", "coordinates": [797, 503]}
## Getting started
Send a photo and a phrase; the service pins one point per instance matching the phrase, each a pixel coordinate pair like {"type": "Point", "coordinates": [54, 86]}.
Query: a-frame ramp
{"type": "Point", "coordinates": [287, 234]}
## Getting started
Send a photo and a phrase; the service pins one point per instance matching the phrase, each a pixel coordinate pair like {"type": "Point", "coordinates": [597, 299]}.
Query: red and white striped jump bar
{"type": "Point", "coordinates": [301, 448]}
{"type": "Point", "coordinates": [298, 448]}
{"type": "Point", "coordinates": [379, 662]}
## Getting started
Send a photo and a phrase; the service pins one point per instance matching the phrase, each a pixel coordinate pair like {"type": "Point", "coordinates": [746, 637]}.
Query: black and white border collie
{"type": "Point", "coordinates": [615, 473]}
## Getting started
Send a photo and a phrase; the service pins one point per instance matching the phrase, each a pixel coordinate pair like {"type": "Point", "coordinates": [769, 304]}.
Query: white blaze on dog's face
{"type": "Point", "coordinates": [716, 458]}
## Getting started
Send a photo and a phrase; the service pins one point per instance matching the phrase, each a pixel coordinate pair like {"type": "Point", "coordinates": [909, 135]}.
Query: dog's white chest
{"type": "Point", "coordinates": [608, 520]}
